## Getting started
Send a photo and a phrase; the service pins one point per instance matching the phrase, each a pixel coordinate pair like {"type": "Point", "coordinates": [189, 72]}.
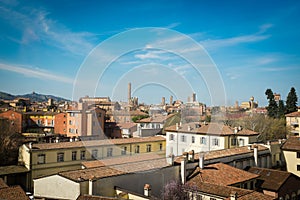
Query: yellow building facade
{"type": "Point", "coordinates": [50, 158]}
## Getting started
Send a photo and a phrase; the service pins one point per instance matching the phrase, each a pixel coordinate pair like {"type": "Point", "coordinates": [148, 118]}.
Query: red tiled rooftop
{"type": "Point", "coordinates": [226, 191]}
{"type": "Point", "coordinates": [292, 144]}
{"type": "Point", "coordinates": [220, 174]}
{"type": "Point", "coordinates": [226, 153]}
{"type": "Point", "coordinates": [114, 170]}
{"type": "Point", "coordinates": [13, 193]}
{"type": "Point", "coordinates": [126, 125]}
{"type": "Point", "coordinates": [122, 160]}
{"type": "Point", "coordinates": [273, 179]}
{"type": "Point", "coordinates": [2, 183]}
{"type": "Point", "coordinates": [293, 114]}
{"type": "Point", "coordinates": [91, 143]}
{"type": "Point", "coordinates": [156, 119]}
{"type": "Point", "coordinates": [211, 128]}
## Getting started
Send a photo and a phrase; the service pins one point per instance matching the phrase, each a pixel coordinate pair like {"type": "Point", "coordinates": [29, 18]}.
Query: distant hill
{"type": "Point", "coordinates": [34, 97]}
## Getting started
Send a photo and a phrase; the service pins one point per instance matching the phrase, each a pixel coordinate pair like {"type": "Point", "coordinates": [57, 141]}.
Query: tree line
{"type": "Point", "coordinates": [279, 109]}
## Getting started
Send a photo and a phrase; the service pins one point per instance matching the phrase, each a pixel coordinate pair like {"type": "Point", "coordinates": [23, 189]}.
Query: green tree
{"type": "Point", "coordinates": [10, 141]}
{"type": "Point", "coordinates": [281, 109]}
{"type": "Point", "coordinates": [269, 128]}
{"type": "Point", "coordinates": [291, 101]}
{"type": "Point", "coordinates": [272, 107]}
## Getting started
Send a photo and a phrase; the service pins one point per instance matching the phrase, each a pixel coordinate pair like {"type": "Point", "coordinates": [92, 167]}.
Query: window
{"type": "Point", "coordinates": [72, 114]}
{"type": "Point", "coordinates": [148, 147]}
{"type": "Point", "coordinates": [41, 159]}
{"type": "Point", "coordinates": [95, 153]}
{"type": "Point", "coordinates": [60, 157]}
{"type": "Point", "coordinates": [202, 140]}
{"type": "Point", "coordinates": [298, 154]}
{"type": "Point", "coordinates": [123, 152]}
{"type": "Point", "coordinates": [193, 139]}
{"type": "Point", "coordinates": [137, 149]}
{"type": "Point", "coordinates": [298, 167]}
{"type": "Point", "coordinates": [242, 142]}
{"type": "Point", "coordinates": [215, 142]}
{"type": "Point", "coordinates": [109, 152]}
{"type": "Point", "coordinates": [74, 155]}
{"type": "Point", "coordinates": [171, 137]}
{"type": "Point", "coordinates": [160, 147]}
{"type": "Point", "coordinates": [82, 155]}
{"type": "Point", "coordinates": [183, 138]}
{"type": "Point", "coordinates": [70, 122]}
{"type": "Point", "coordinates": [233, 141]}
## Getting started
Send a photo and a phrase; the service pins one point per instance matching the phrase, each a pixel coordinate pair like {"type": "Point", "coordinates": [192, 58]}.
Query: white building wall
{"type": "Point", "coordinates": [182, 142]}
{"type": "Point", "coordinates": [56, 187]}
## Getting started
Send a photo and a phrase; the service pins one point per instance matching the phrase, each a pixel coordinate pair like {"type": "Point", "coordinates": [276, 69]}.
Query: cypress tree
{"type": "Point", "coordinates": [291, 101]}
{"type": "Point", "coordinates": [281, 109]}
{"type": "Point", "coordinates": [272, 108]}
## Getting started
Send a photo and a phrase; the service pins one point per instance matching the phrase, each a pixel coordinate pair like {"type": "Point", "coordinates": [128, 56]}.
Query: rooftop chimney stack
{"type": "Point", "coordinates": [201, 160]}
{"type": "Point", "coordinates": [183, 170]}
{"type": "Point", "coordinates": [170, 159]}
{"type": "Point", "coordinates": [191, 156]}
{"type": "Point", "coordinates": [255, 151]}
{"type": "Point", "coordinates": [233, 196]}
{"type": "Point", "coordinates": [147, 190]}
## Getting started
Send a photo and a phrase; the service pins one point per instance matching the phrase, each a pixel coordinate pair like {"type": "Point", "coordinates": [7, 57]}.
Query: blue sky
{"type": "Point", "coordinates": [254, 45]}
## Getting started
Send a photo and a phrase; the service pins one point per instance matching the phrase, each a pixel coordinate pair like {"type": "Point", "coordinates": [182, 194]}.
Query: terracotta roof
{"type": "Point", "coordinates": [293, 114]}
{"type": "Point", "coordinates": [13, 193]}
{"type": "Point", "coordinates": [92, 197]}
{"type": "Point", "coordinates": [211, 128]}
{"type": "Point", "coordinates": [114, 170]}
{"type": "Point", "coordinates": [156, 119]}
{"type": "Point", "coordinates": [12, 169]}
{"type": "Point", "coordinates": [226, 191]}
{"type": "Point", "coordinates": [127, 113]}
{"type": "Point", "coordinates": [3, 184]}
{"type": "Point", "coordinates": [126, 125]}
{"type": "Point", "coordinates": [226, 153]}
{"type": "Point", "coordinates": [122, 160]}
{"type": "Point", "coordinates": [220, 174]}
{"type": "Point", "coordinates": [292, 144]}
{"type": "Point", "coordinates": [90, 143]}
{"type": "Point", "coordinates": [273, 179]}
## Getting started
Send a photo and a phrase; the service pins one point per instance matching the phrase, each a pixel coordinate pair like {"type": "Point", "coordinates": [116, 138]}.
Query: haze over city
{"type": "Point", "coordinates": [254, 46]}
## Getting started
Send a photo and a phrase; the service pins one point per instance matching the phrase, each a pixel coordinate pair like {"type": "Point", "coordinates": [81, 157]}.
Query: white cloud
{"type": "Point", "coordinates": [36, 26]}
{"type": "Point", "coordinates": [219, 43]}
{"type": "Point", "coordinates": [35, 72]}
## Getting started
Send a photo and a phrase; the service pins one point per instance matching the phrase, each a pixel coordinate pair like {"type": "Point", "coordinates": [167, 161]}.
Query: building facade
{"type": "Point", "coordinates": [206, 137]}
{"type": "Point", "coordinates": [291, 152]}
{"type": "Point", "coordinates": [292, 122]}
{"type": "Point", "coordinates": [50, 158]}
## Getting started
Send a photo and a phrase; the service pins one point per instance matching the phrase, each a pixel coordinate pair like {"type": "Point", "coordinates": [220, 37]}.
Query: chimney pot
{"type": "Point", "coordinates": [147, 190]}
